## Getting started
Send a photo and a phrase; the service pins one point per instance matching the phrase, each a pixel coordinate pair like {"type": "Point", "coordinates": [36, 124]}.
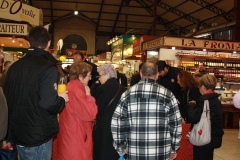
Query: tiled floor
{"type": "Point", "coordinates": [230, 149]}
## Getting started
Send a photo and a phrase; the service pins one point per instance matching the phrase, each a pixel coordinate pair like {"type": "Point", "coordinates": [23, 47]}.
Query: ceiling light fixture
{"type": "Point", "coordinates": [76, 11]}
{"type": "Point", "coordinates": [202, 35]}
{"type": "Point", "coordinates": [173, 48]}
{"type": "Point", "coordinates": [133, 37]}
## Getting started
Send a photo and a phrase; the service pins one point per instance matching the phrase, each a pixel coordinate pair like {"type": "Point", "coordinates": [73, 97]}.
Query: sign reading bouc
{"type": "Point", "coordinates": [16, 10]}
{"type": "Point", "coordinates": [14, 29]}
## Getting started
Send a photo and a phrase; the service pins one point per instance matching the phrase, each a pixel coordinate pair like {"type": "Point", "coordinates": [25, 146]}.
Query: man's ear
{"type": "Point", "coordinates": [156, 76]}
{"type": "Point", "coordinates": [140, 73]}
{"type": "Point", "coordinates": [48, 45]}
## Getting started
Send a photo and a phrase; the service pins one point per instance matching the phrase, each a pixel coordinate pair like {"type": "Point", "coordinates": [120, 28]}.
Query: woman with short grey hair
{"type": "Point", "coordinates": [107, 92]}
{"type": "Point", "coordinates": [107, 69]}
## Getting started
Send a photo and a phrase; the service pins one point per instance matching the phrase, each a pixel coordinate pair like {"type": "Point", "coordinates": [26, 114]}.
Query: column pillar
{"type": "Point", "coordinates": [236, 17]}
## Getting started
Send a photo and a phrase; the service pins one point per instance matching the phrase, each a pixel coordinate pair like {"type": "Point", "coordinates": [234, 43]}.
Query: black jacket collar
{"type": "Point", "coordinates": [33, 51]}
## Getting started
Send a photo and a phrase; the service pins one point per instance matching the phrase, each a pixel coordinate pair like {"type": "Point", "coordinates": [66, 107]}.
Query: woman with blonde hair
{"type": "Point", "coordinates": [207, 84]}
{"type": "Point", "coordinates": [75, 121]}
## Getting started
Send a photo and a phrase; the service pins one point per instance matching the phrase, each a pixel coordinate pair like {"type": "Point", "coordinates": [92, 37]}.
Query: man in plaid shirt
{"type": "Point", "coordinates": [146, 124]}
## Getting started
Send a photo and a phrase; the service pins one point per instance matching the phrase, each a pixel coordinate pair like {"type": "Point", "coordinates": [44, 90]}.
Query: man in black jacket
{"type": "Point", "coordinates": [168, 78]}
{"type": "Point", "coordinates": [136, 78]}
{"type": "Point", "coordinates": [122, 79]}
{"type": "Point", "coordinates": [33, 101]}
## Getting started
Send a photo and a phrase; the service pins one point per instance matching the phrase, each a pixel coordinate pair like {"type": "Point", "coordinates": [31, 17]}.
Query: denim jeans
{"type": "Point", "coordinates": [41, 152]}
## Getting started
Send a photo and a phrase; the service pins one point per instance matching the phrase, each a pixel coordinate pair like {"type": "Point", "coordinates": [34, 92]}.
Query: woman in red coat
{"type": "Point", "coordinates": [75, 121]}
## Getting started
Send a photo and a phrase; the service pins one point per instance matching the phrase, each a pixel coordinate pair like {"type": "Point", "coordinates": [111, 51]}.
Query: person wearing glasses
{"type": "Point", "coordinates": [74, 140]}
{"type": "Point", "coordinates": [190, 91]}
{"type": "Point", "coordinates": [207, 84]}
{"type": "Point", "coordinates": [107, 95]}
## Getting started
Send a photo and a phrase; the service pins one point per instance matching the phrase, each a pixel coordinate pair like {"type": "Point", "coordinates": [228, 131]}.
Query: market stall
{"type": "Point", "coordinates": [220, 58]}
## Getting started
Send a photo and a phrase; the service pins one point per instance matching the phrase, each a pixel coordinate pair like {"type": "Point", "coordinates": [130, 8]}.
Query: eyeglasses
{"type": "Point", "coordinates": [100, 75]}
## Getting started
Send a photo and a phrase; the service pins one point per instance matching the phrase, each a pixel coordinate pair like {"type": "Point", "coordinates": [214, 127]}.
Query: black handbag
{"type": "Point", "coordinates": [95, 121]}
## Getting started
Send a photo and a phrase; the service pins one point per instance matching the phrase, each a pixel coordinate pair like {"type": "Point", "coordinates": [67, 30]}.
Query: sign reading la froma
{"type": "Point", "coordinates": [16, 10]}
{"type": "Point", "coordinates": [14, 29]}
{"type": "Point", "coordinates": [201, 43]}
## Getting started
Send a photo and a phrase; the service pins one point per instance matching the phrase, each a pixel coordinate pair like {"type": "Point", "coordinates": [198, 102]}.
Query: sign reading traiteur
{"type": "Point", "coordinates": [14, 29]}
{"type": "Point", "coordinates": [18, 11]}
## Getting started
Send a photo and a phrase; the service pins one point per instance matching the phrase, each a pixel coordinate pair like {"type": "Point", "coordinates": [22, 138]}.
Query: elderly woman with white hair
{"type": "Point", "coordinates": [107, 95]}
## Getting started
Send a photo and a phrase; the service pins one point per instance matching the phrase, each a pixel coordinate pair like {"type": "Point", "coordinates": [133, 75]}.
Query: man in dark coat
{"type": "Point", "coordinates": [168, 78]}
{"type": "Point", "coordinates": [136, 78]}
{"type": "Point", "coordinates": [81, 57]}
{"type": "Point", "coordinates": [121, 78]}
{"type": "Point", "coordinates": [32, 98]}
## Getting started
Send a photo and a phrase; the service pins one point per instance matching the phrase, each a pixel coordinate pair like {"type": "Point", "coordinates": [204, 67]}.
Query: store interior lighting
{"type": "Point", "coordinates": [204, 50]}
{"type": "Point", "coordinates": [202, 35]}
{"type": "Point", "coordinates": [112, 40]}
{"type": "Point", "coordinates": [133, 37]}
{"type": "Point", "coordinates": [173, 48]}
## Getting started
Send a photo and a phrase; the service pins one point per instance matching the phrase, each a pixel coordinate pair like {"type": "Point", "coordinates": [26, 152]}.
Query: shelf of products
{"type": "Point", "coordinates": [222, 67]}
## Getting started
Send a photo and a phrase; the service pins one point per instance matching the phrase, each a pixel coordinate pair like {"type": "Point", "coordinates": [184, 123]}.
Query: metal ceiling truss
{"type": "Point", "coordinates": [170, 27]}
{"type": "Point", "coordinates": [100, 13]}
{"type": "Point", "coordinates": [182, 15]}
{"type": "Point", "coordinates": [118, 14]}
{"type": "Point", "coordinates": [211, 7]}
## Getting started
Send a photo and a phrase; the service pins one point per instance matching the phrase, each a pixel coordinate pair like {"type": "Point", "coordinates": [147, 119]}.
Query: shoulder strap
{"type": "Point", "coordinates": [111, 100]}
{"type": "Point", "coordinates": [206, 108]}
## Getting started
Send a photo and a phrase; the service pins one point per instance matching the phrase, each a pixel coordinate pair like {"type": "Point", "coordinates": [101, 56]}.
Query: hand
{"type": "Point", "coordinates": [124, 152]}
{"type": "Point", "coordinates": [64, 95]}
{"type": "Point", "coordinates": [173, 156]}
{"type": "Point", "coordinates": [87, 89]}
{"type": "Point", "coordinates": [192, 101]}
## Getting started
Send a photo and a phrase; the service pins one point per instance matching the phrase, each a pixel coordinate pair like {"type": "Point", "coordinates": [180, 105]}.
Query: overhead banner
{"type": "Point", "coordinates": [137, 43]}
{"type": "Point", "coordinates": [156, 43]}
{"type": "Point", "coordinates": [14, 29]}
{"type": "Point", "coordinates": [201, 43]}
{"type": "Point", "coordinates": [18, 11]}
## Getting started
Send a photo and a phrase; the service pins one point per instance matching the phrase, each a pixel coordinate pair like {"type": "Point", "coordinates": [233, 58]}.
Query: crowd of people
{"type": "Point", "coordinates": [99, 116]}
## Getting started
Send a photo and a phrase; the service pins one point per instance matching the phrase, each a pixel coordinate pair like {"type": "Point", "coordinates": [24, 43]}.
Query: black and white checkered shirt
{"type": "Point", "coordinates": [147, 122]}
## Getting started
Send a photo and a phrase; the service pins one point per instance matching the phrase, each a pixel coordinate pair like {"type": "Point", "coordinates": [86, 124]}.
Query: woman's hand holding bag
{"type": "Point", "coordinates": [201, 132]}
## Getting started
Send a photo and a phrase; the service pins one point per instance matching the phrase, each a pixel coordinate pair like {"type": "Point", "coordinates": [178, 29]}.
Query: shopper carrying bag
{"type": "Point", "coordinates": [201, 132]}
{"type": "Point", "coordinates": [206, 107]}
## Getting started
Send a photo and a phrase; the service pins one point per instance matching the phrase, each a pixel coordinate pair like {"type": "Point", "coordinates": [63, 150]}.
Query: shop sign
{"type": "Point", "coordinates": [14, 29]}
{"type": "Point", "coordinates": [201, 43]}
{"type": "Point", "coordinates": [156, 43]}
{"type": "Point", "coordinates": [136, 49]}
{"type": "Point", "coordinates": [18, 11]}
